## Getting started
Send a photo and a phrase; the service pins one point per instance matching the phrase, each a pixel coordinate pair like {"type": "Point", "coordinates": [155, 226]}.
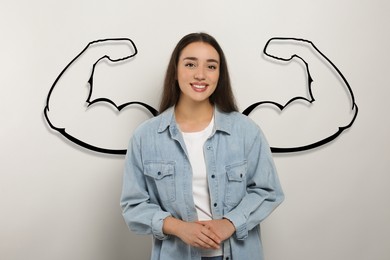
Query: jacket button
{"type": "Point", "coordinates": [213, 176]}
{"type": "Point", "coordinates": [159, 173]}
{"type": "Point", "coordinates": [215, 204]}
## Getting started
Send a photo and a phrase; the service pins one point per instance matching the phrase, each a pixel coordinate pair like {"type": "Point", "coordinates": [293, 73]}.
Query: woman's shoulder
{"type": "Point", "coordinates": [237, 124]}
{"type": "Point", "coordinates": [154, 124]}
{"type": "Point", "coordinates": [240, 120]}
{"type": "Point", "coordinates": [147, 126]}
{"type": "Point", "coordinates": [245, 127]}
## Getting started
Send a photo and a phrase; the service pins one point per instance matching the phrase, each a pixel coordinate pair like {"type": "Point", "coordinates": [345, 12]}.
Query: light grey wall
{"type": "Point", "coordinates": [61, 201]}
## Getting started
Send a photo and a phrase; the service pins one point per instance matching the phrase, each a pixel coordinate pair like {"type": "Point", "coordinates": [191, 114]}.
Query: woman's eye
{"type": "Point", "coordinates": [212, 67]}
{"type": "Point", "coordinates": [189, 65]}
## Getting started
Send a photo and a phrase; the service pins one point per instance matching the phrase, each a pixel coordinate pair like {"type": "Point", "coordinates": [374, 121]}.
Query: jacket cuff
{"type": "Point", "coordinates": [157, 225]}
{"type": "Point", "coordinates": [239, 223]}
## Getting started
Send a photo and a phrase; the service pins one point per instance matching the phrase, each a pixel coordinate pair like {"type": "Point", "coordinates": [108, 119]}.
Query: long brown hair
{"type": "Point", "coordinates": [222, 97]}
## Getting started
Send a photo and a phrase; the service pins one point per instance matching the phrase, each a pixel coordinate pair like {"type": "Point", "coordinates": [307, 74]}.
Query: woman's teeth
{"type": "Point", "coordinates": [199, 86]}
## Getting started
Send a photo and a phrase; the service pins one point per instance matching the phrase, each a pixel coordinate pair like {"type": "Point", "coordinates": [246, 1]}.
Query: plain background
{"type": "Point", "coordinates": [61, 201]}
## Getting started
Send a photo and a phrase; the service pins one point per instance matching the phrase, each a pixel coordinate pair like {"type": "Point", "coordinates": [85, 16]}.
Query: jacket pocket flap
{"type": "Point", "coordinates": [236, 172]}
{"type": "Point", "coordinates": [159, 170]}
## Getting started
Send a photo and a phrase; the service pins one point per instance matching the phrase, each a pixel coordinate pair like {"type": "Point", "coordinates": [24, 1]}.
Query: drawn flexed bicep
{"type": "Point", "coordinates": [311, 120]}
{"type": "Point", "coordinates": [92, 123]}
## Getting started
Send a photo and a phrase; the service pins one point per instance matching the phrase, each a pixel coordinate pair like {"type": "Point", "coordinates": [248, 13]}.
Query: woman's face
{"type": "Point", "coordinates": [198, 72]}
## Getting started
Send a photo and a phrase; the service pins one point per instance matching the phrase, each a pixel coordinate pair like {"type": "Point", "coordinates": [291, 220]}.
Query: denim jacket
{"type": "Point", "coordinates": [242, 179]}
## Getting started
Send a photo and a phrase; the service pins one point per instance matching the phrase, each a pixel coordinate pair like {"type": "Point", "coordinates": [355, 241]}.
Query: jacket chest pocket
{"type": "Point", "coordinates": [235, 183]}
{"type": "Point", "coordinates": [163, 179]}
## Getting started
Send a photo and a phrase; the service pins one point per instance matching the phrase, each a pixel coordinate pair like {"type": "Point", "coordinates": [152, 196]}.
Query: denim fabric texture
{"type": "Point", "coordinates": [157, 183]}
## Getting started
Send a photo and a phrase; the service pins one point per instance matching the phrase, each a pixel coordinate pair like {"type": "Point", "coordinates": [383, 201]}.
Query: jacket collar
{"type": "Point", "coordinates": [222, 121]}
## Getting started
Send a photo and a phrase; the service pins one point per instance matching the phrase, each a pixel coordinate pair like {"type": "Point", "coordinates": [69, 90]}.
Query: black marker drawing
{"type": "Point", "coordinates": [313, 59]}
{"type": "Point", "coordinates": [70, 97]}
{"type": "Point", "coordinates": [85, 64]}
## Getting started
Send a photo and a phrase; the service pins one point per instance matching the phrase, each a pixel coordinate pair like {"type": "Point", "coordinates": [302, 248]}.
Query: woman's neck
{"type": "Point", "coordinates": [193, 118]}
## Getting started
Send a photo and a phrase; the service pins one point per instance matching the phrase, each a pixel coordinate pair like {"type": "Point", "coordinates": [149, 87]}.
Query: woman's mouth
{"type": "Point", "coordinates": [199, 87]}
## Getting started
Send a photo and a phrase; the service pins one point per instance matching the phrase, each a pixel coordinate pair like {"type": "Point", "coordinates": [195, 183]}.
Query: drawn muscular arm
{"type": "Point", "coordinates": [70, 110]}
{"type": "Point", "coordinates": [306, 122]}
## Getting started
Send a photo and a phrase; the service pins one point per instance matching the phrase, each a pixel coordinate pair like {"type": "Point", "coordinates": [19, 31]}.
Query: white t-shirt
{"type": "Point", "coordinates": [194, 143]}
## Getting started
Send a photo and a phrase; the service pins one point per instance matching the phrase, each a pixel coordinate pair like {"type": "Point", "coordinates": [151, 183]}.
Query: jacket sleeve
{"type": "Point", "coordinates": [264, 192]}
{"type": "Point", "coordinates": [140, 215]}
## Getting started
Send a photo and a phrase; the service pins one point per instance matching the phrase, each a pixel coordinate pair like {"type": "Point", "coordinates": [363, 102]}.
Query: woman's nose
{"type": "Point", "coordinates": [199, 74]}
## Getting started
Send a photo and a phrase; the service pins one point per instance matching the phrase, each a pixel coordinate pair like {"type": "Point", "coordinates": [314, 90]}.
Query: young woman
{"type": "Point", "coordinates": [200, 176]}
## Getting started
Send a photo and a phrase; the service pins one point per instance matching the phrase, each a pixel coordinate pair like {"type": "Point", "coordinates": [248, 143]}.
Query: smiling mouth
{"type": "Point", "coordinates": [199, 87]}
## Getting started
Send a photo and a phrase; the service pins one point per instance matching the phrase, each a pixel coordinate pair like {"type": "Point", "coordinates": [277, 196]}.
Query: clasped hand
{"type": "Point", "coordinates": [202, 234]}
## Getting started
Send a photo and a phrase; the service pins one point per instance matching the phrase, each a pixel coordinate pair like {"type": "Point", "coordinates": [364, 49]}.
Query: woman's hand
{"type": "Point", "coordinates": [192, 233]}
{"type": "Point", "coordinates": [223, 228]}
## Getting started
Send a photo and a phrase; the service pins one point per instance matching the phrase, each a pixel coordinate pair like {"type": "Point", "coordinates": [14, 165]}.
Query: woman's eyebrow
{"type": "Point", "coordinates": [196, 59]}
